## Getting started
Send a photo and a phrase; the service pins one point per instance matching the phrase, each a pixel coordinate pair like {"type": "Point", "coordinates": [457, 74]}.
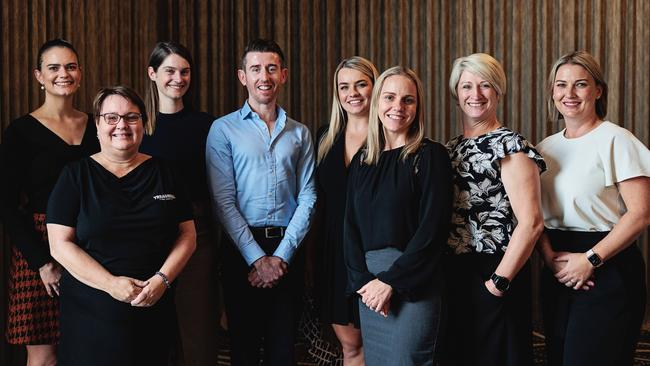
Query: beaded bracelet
{"type": "Point", "coordinates": [164, 278]}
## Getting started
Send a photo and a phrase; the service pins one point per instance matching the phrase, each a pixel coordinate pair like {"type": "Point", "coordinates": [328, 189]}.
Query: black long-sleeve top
{"type": "Point", "coordinates": [32, 159]}
{"type": "Point", "coordinates": [401, 204]}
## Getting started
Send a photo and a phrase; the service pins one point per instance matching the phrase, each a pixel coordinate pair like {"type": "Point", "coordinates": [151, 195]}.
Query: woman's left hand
{"type": "Point", "coordinates": [578, 271]}
{"type": "Point", "coordinates": [151, 293]}
{"type": "Point", "coordinates": [376, 295]}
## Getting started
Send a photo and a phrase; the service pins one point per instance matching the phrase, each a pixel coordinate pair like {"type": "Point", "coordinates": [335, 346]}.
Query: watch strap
{"type": "Point", "coordinates": [501, 283]}
{"type": "Point", "coordinates": [594, 258]}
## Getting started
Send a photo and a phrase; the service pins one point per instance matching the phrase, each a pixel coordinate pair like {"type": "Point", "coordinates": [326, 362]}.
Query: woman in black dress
{"type": "Point", "coordinates": [120, 224]}
{"type": "Point", "coordinates": [396, 226]}
{"type": "Point", "coordinates": [177, 133]}
{"type": "Point", "coordinates": [496, 221]}
{"type": "Point", "coordinates": [338, 142]}
{"type": "Point", "coordinates": [35, 148]}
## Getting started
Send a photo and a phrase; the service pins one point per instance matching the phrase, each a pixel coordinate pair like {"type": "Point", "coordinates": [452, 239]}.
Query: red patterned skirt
{"type": "Point", "coordinates": [33, 316]}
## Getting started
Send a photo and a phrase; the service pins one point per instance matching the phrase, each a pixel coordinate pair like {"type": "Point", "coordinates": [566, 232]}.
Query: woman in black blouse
{"type": "Point", "coordinates": [35, 148]}
{"type": "Point", "coordinates": [121, 225]}
{"type": "Point", "coordinates": [396, 226]}
{"type": "Point", "coordinates": [496, 220]}
{"type": "Point", "coordinates": [178, 133]}
{"type": "Point", "coordinates": [338, 143]}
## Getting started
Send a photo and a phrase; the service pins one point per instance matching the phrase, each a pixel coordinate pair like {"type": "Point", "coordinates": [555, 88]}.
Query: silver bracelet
{"type": "Point", "coordinates": [165, 279]}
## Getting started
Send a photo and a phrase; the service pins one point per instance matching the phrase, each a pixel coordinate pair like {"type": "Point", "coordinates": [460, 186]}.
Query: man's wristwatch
{"type": "Point", "coordinates": [501, 283]}
{"type": "Point", "coordinates": [594, 258]}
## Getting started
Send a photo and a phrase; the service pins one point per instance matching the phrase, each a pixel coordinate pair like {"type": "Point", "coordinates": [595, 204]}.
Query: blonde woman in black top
{"type": "Point", "coordinates": [338, 142]}
{"type": "Point", "coordinates": [396, 226]}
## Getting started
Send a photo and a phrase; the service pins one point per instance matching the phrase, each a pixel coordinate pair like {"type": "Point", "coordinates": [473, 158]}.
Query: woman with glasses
{"type": "Point", "coordinates": [121, 225]}
{"type": "Point", "coordinates": [178, 133]}
{"type": "Point", "coordinates": [35, 148]}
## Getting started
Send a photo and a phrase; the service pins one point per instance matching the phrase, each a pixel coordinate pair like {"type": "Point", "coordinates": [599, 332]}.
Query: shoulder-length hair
{"type": "Point", "coordinates": [589, 63]}
{"type": "Point", "coordinates": [376, 140]}
{"type": "Point", "coordinates": [338, 116]}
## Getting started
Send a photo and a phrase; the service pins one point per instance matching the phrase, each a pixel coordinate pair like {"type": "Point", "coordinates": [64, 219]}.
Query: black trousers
{"type": "Point", "coordinates": [483, 329]}
{"type": "Point", "coordinates": [257, 317]}
{"type": "Point", "coordinates": [600, 326]}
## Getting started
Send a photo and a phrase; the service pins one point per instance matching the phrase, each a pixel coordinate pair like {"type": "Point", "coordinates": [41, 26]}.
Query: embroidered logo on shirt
{"type": "Point", "coordinates": [164, 197]}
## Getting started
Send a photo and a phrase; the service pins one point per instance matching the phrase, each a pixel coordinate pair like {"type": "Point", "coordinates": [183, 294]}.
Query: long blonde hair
{"type": "Point", "coordinates": [376, 138]}
{"type": "Point", "coordinates": [338, 116]}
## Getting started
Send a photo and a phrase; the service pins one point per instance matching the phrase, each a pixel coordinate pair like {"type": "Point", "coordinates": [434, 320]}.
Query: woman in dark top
{"type": "Point", "coordinates": [120, 224]}
{"type": "Point", "coordinates": [338, 143]}
{"type": "Point", "coordinates": [177, 133]}
{"type": "Point", "coordinates": [35, 149]}
{"type": "Point", "coordinates": [496, 221]}
{"type": "Point", "coordinates": [396, 226]}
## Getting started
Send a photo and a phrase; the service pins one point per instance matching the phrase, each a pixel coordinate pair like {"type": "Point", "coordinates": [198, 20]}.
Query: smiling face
{"type": "Point", "coordinates": [172, 77]}
{"type": "Point", "coordinates": [397, 105]}
{"type": "Point", "coordinates": [263, 76]}
{"type": "Point", "coordinates": [122, 138]}
{"type": "Point", "coordinates": [477, 98]}
{"type": "Point", "coordinates": [354, 90]}
{"type": "Point", "coordinates": [575, 93]}
{"type": "Point", "coordinates": [59, 72]}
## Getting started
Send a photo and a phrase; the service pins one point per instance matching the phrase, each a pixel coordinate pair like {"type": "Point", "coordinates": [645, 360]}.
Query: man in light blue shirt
{"type": "Point", "coordinates": [260, 166]}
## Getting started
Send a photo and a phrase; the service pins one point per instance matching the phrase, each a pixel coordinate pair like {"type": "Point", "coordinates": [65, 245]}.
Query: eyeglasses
{"type": "Point", "coordinates": [114, 118]}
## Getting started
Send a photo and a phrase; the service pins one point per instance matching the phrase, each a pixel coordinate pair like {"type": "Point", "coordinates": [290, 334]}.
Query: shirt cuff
{"type": "Point", "coordinates": [284, 251]}
{"type": "Point", "coordinates": [252, 253]}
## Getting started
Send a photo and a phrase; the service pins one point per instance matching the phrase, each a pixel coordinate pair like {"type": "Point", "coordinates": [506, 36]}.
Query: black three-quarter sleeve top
{"type": "Point", "coordinates": [400, 204]}
{"type": "Point", "coordinates": [32, 159]}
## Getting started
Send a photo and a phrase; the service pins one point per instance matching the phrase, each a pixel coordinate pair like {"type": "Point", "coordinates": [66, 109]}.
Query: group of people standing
{"type": "Point", "coordinates": [421, 249]}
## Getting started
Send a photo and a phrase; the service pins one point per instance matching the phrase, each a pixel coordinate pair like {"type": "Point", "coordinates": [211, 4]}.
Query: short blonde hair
{"type": "Point", "coordinates": [338, 117]}
{"type": "Point", "coordinates": [589, 63]}
{"type": "Point", "coordinates": [376, 140]}
{"type": "Point", "coordinates": [482, 65]}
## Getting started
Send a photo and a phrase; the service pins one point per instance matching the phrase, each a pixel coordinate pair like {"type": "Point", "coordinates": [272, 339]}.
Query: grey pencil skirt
{"type": "Point", "coordinates": [408, 336]}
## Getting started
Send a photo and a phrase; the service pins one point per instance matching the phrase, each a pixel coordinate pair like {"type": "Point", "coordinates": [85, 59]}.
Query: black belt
{"type": "Point", "coordinates": [269, 232]}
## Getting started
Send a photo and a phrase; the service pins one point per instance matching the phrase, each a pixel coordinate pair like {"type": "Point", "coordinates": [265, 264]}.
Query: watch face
{"type": "Point", "coordinates": [594, 259]}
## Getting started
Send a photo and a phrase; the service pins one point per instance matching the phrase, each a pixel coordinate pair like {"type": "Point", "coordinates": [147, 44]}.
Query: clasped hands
{"type": "Point", "coordinates": [136, 292]}
{"type": "Point", "coordinates": [267, 272]}
{"type": "Point", "coordinates": [572, 270]}
{"type": "Point", "coordinates": [376, 296]}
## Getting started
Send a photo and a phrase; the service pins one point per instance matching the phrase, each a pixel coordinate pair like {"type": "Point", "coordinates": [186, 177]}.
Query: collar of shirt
{"type": "Point", "coordinates": [247, 113]}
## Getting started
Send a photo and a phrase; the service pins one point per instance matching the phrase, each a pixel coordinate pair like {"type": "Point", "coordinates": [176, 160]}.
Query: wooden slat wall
{"type": "Point", "coordinates": [114, 38]}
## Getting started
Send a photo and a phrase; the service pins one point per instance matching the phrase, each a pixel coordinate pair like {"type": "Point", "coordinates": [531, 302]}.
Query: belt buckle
{"type": "Point", "coordinates": [269, 232]}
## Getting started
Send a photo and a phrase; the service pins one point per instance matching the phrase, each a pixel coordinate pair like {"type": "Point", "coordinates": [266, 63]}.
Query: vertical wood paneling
{"type": "Point", "coordinates": [114, 39]}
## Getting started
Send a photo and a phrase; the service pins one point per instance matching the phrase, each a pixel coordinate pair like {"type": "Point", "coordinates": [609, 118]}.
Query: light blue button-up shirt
{"type": "Point", "coordinates": [260, 180]}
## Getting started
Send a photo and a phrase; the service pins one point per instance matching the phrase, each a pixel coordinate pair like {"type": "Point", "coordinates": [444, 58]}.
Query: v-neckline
{"type": "Point", "coordinates": [56, 135]}
{"type": "Point", "coordinates": [115, 177]}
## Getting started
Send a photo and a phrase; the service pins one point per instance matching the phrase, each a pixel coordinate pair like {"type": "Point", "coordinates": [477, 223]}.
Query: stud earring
{"type": "Point", "coordinates": [42, 87]}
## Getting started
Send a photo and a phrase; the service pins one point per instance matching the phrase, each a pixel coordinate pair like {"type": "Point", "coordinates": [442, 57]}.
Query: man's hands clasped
{"type": "Point", "coordinates": [267, 272]}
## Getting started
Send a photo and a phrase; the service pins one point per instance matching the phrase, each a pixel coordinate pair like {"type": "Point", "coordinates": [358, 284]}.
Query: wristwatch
{"type": "Point", "coordinates": [501, 283]}
{"type": "Point", "coordinates": [594, 258]}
